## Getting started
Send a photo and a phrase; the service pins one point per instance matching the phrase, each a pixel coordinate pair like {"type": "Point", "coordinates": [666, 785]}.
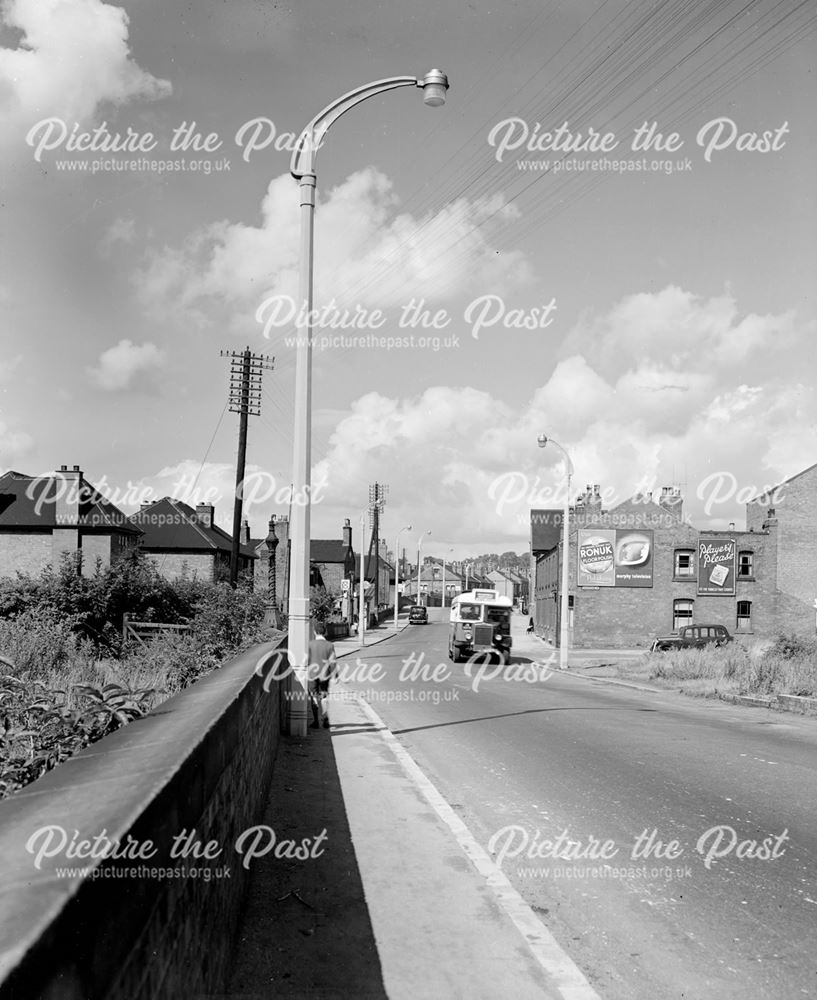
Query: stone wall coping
{"type": "Point", "coordinates": [125, 784]}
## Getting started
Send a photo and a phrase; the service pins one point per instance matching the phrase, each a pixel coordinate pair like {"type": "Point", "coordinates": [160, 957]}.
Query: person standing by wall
{"type": "Point", "coordinates": [322, 666]}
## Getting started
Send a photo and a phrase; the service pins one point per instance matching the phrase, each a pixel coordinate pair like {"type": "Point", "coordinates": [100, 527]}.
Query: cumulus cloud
{"type": "Point", "coordinates": [73, 55]}
{"type": "Point", "coordinates": [121, 230]}
{"type": "Point", "coordinates": [367, 253]}
{"type": "Point", "coordinates": [195, 482]}
{"type": "Point", "coordinates": [657, 414]}
{"type": "Point", "coordinates": [13, 444]}
{"type": "Point", "coordinates": [120, 365]}
{"type": "Point", "coordinates": [677, 331]}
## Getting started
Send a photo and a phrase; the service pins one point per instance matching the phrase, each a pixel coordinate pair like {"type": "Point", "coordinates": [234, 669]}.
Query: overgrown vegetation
{"type": "Point", "coordinates": [66, 676]}
{"type": "Point", "coordinates": [788, 665]}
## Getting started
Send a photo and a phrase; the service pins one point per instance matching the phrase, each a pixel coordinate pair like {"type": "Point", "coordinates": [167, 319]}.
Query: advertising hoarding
{"type": "Point", "coordinates": [716, 566]}
{"type": "Point", "coordinates": [614, 557]}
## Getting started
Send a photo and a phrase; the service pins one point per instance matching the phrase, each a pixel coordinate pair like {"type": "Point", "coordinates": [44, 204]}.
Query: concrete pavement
{"type": "Point", "coordinates": [397, 903]}
{"type": "Point", "coordinates": [536, 648]}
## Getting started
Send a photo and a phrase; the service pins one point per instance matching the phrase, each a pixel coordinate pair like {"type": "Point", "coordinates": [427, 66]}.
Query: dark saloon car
{"type": "Point", "coordinates": [693, 637]}
{"type": "Point", "coordinates": [418, 616]}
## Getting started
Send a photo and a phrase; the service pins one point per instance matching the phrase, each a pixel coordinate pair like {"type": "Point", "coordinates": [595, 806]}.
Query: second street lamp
{"type": "Point", "coordinates": [564, 631]}
{"type": "Point", "coordinates": [302, 167]}
{"type": "Point", "coordinates": [419, 549]}
{"type": "Point", "coordinates": [397, 571]}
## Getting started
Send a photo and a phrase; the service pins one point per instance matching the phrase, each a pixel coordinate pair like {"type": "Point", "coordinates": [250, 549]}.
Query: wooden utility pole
{"type": "Point", "coordinates": [246, 375]}
{"type": "Point", "coordinates": [377, 501]}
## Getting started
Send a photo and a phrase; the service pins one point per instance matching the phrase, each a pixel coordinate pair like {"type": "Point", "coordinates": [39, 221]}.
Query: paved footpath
{"type": "Point", "coordinates": [398, 903]}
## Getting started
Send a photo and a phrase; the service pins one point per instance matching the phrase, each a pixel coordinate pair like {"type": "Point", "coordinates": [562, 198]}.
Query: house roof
{"type": "Point", "coordinates": [329, 550]}
{"type": "Point", "coordinates": [171, 524]}
{"type": "Point", "coordinates": [31, 502]}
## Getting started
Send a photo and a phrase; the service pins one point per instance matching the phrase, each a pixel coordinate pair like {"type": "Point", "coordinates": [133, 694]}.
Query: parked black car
{"type": "Point", "coordinates": [693, 637]}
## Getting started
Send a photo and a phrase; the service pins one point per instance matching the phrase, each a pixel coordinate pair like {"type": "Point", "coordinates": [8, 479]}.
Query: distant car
{"type": "Point", "coordinates": [418, 616]}
{"type": "Point", "coordinates": [693, 637]}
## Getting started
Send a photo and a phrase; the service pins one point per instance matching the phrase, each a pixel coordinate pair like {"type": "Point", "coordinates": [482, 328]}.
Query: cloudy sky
{"type": "Point", "coordinates": [503, 269]}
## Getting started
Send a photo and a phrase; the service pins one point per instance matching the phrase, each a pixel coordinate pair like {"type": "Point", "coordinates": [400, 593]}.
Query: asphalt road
{"type": "Point", "coordinates": [579, 789]}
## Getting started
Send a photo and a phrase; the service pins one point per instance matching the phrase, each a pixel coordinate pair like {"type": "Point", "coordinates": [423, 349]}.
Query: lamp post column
{"type": "Point", "coordinates": [397, 572]}
{"type": "Point", "coordinates": [299, 613]}
{"type": "Point", "coordinates": [361, 606]}
{"type": "Point", "coordinates": [302, 167]}
{"type": "Point", "coordinates": [564, 629]}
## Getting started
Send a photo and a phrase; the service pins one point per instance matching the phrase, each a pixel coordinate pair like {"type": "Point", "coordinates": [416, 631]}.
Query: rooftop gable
{"type": "Point", "coordinates": [31, 502]}
{"type": "Point", "coordinates": [171, 524]}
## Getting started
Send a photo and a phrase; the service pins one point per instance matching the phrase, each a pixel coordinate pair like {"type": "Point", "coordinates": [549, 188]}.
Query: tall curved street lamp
{"type": "Point", "coordinates": [302, 167]}
{"type": "Point", "coordinates": [397, 571]}
{"type": "Point", "coordinates": [564, 631]}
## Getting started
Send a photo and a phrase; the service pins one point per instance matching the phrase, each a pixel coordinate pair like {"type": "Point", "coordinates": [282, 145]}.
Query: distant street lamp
{"type": "Point", "coordinates": [361, 610]}
{"type": "Point", "coordinates": [564, 632]}
{"type": "Point", "coordinates": [397, 570]}
{"type": "Point", "coordinates": [443, 597]}
{"type": "Point", "coordinates": [419, 564]}
{"type": "Point", "coordinates": [302, 167]}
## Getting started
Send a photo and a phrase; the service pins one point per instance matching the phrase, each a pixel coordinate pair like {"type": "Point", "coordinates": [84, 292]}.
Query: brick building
{"type": "Point", "coordinates": [182, 541]}
{"type": "Point", "coordinates": [792, 508]}
{"type": "Point", "coordinates": [43, 518]}
{"type": "Point", "coordinates": [640, 569]}
{"type": "Point", "coordinates": [334, 558]}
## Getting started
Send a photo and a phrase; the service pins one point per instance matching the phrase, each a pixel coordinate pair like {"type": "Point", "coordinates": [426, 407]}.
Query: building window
{"type": "Point", "coordinates": [682, 613]}
{"type": "Point", "coordinates": [746, 567]}
{"type": "Point", "coordinates": [684, 562]}
{"type": "Point", "coordinates": [744, 614]}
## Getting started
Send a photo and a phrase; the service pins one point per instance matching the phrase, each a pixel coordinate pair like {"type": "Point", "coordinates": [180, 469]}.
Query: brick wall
{"type": "Point", "coordinates": [95, 547]}
{"type": "Point", "coordinates": [332, 574]}
{"type": "Point", "coordinates": [200, 565]}
{"type": "Point", "coordinates": [203, 762]}
{"type": "Point", "coordinates": [795, 511]}
{"type": "Point", "coordinates": [24, 552]}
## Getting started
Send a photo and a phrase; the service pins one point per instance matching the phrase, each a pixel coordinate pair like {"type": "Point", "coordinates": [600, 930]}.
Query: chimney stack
{"type": "Point", "coordinates": [671, 500]}
{"type": "Point", "coordinates": [347, 533]}
{"type": "Point", "coordinates": [68, 487]}
{"type": "Point", "coordinates": [205, 514]}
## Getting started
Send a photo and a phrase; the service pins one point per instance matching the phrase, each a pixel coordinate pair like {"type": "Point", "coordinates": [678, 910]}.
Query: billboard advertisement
{"type": "Point", "coordinates": [614, 557]}
{"type": "Point", "coordinates": [716, 566]}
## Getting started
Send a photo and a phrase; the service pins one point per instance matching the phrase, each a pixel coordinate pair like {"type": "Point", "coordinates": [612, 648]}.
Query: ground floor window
{"type": "Point", "coordinates": [744, 614]}
{"type": "Point", "coordinates": [682, 612]}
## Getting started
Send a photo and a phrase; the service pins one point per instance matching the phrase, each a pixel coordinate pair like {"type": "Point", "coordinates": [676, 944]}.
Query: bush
{"type": "Point", "coordinates": [58, 695]}
{"type": "Point", "coordinates": [322, 604]}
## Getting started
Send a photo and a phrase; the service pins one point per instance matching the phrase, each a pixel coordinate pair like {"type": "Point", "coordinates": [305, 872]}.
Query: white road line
{"type": "Point", "coordinates": [557, 964]}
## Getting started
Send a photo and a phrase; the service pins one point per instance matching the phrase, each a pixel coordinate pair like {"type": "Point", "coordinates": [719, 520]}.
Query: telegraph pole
{"type": "Point", "coordinates": [246, 375]}
{"type": "Point", "coordinates": [377, 501]}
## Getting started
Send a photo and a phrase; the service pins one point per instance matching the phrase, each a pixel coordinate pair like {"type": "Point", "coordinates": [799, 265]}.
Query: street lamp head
{"type": "Point", "coordinates": [434, 84]}
{"type": "Point", "coordinates": [543, 440]}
